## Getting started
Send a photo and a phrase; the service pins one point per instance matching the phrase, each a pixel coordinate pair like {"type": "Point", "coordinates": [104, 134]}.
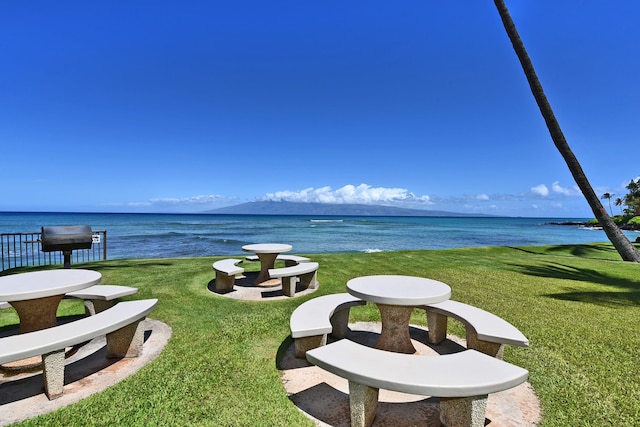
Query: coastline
{"type": "Point", "coordinates": [143, 235]}
{"type": "Point", "coordinates": [595, 226]}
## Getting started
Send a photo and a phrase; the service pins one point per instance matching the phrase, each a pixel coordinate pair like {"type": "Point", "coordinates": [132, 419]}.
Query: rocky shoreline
{"type": "Point", "coordinates": [628, 227]}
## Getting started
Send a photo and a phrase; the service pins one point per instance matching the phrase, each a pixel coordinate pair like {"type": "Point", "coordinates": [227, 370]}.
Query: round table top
{"type": "Point", "coordinates": [40, 284]}
{"type": "Point", "coordinates": [267, 248]}
{"type": "Point", "coordinates": [399, 290]}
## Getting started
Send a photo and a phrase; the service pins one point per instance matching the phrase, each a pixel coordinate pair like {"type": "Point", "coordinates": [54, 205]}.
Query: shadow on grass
{"type": "Point", "coordinates": [134, 263]}
{"type": "Point", "coordinates": [623, 292]}
{"type": "Point", "coordinates": [604, 251]}
{"type": "Point", "coordinates": [606, 299]}
{"type": "Point", "coordinates": [115, 264]}
{"type": "Point", "coordinates": [12, 329]}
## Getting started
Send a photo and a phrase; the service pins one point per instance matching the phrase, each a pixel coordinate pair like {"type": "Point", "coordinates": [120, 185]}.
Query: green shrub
{"type": "Point", "coordinates": [634, 221]}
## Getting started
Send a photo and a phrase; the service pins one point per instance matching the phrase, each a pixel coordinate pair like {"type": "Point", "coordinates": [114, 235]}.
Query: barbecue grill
{"type": "Point", "coordinates": [66, 238]}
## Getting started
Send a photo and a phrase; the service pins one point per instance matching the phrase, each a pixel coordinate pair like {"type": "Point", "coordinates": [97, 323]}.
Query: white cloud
{"type": "Point", "coordinates": [566, 191]}
{"type": "Point", "coordinates": [540, 190]}
{"type": "Point", "coordinates": [362, 194]}
{"type": "Point", "coordinates": [542, 199]}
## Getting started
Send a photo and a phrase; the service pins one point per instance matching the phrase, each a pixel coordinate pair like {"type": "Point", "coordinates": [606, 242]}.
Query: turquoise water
{"type": "Point", "coordinates": [189, 235]}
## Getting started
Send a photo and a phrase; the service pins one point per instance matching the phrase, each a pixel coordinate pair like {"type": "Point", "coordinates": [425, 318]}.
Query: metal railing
{"type": "Point", "coordinates": [23, 250]}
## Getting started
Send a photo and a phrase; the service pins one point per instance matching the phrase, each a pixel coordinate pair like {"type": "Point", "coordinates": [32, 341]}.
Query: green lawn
{"type": "Point", "coordinates": [578, 305]}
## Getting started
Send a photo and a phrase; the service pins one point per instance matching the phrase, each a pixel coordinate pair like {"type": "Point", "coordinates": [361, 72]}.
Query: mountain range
{"type": "Point", "coordinates": [329, 209]}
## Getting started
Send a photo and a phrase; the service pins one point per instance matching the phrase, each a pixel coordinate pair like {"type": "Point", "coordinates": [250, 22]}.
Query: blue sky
{"type": "Point", "coordinates": [174, 106]}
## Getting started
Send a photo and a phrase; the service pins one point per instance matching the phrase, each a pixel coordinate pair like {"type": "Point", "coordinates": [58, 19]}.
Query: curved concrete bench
{"type": "Point", "coordinates": [462, 380]}
{"type": "Point", "coordinates": [98, 298]}
{"type": "Point", "coordinates": [122, 324]}
{"type": "Point", "coordinates": [305, 272]}
{"type": "Point", "coordinates": [313, 320]}
{"type": "Point", "coordinates": [289, 260]}
{"type": "Point", "coordinates": [226, 271]}
{"type": "Point", "coordinates": [485, 331]}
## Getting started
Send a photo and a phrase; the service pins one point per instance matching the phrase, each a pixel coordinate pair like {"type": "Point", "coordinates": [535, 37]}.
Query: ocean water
{"type": "Point", "coordinates": [194, 235]}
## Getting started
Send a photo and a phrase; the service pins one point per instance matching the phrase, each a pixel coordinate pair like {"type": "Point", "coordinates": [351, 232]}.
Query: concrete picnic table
{"type": "Point", "coordinates": [396, 297]}
{"type": "Point", "coordinates": [36, 295]}
{"type": "Point", "coordinates": [267, 254]}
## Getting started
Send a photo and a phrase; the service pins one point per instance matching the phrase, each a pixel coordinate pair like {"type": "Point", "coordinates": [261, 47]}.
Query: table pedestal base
{"type": "Point", "coordinates": [36, 314]}
{"type": "Point", "coordinates": [267, 261]}
{"type": "Point", "coordinates": [395, 329]}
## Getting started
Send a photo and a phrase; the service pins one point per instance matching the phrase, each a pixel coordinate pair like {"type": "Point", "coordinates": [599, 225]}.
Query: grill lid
{"type": "Point", "coordinates": [66, 237]}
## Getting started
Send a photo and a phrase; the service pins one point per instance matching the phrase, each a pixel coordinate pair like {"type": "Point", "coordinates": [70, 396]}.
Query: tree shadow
{"type": "Point", "coordinates": [605, 299]}
{"type": "Point", "coordinates": [623, 292]}
{"type": "Point", "coordinates": [604, 251]}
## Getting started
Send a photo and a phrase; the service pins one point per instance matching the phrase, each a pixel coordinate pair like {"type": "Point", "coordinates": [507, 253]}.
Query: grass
{"type": "Point", "coordinates": [578, 305]}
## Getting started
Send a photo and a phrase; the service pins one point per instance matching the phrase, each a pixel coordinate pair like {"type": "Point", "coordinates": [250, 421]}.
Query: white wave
{"type": "Point", "coordinates": [370, 251]}
{"type": "Point", "coordinates": [326, 220]}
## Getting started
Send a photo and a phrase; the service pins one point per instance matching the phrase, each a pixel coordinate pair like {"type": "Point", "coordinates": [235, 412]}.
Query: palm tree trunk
{"type": "Point", "coordinates": [624, 247]}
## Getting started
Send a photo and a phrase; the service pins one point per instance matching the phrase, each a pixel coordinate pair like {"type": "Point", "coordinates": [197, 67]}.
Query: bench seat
{"type": "Point", "coordinates": [226, 272]}
{"type": "Point", "coordinates": [98, 298]}
{"type": "Point", "coordinates": [102, 296]}
{"type": "Point", "coordinates": [289, 260]}
{"type": "Point", "coordinates": [305, 273]}
{"type": "Point", "coordinates": [461, 380]}
{"type": "Point", "coordinates": [121, 324]}
{"type": "Point", "coordinates": [485, 331]}
{"type": "Point", "coordinates": [313, 320]}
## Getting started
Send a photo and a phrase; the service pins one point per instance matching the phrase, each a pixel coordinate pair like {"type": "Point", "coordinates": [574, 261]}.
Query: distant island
{"type": "Point", "coordinates": [330, 209]}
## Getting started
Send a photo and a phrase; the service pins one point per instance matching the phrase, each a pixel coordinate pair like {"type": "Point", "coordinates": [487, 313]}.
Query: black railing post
{"type": "Point", "coordinates": [104, 245]}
